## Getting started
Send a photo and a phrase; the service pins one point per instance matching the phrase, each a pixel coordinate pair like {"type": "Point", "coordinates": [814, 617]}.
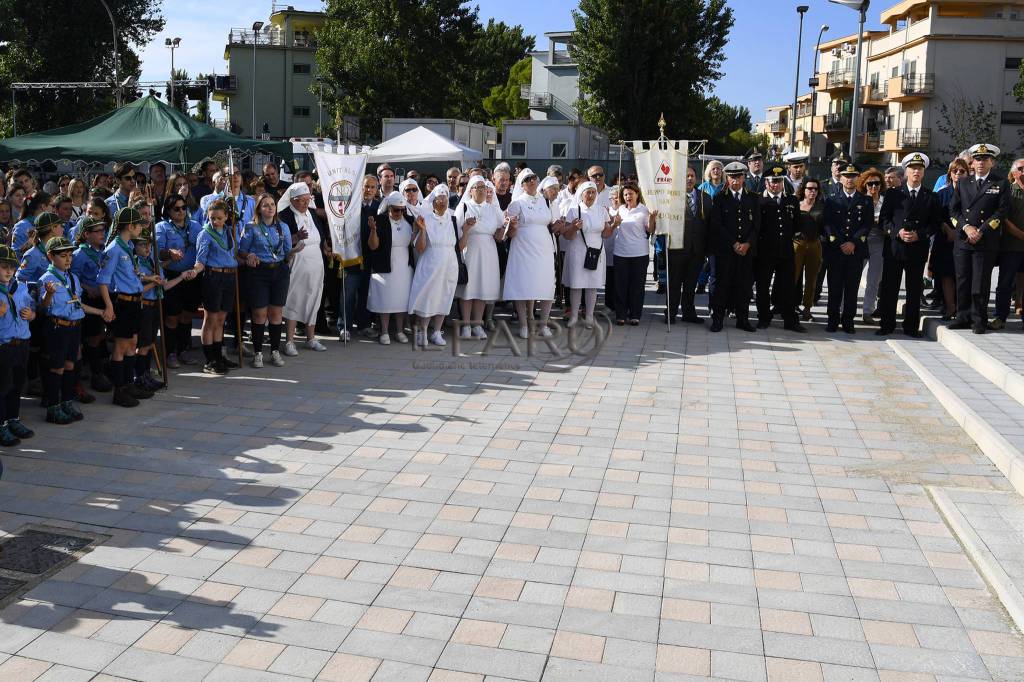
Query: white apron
{"type": "Point", "coordinates": [389, 291]}
{"type": "Point", "coordinates": [306, 285]}
{"type": "Point", "coordinates": [437, 270]}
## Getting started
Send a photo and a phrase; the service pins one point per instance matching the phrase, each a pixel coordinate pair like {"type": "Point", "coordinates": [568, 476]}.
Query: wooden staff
{"type": "Point", "coordinates": [154, 257]}
{"type": "Point", "coordinates": [234, 247]}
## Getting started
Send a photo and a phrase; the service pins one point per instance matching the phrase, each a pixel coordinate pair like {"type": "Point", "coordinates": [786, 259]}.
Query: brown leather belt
{"type": "Point", "coordinates": [61, 322]}
{"type": "Point", "coordinates": [131, 298]}
{"type": "Point", "coordinates": [223, 270]}
{"type": "Point", "coordinates": [147, 303]}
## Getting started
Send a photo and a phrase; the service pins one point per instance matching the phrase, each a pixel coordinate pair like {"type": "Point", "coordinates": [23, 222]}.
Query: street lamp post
{"type": "Point", "coordinates": [801, 9]}
{"type": "Point", "coordinates": [256, 26]}
{"type": "Point", "coordinates": [813, 84]}
{"type": "Point", "coordinates": [173, 45]}
{"type": "Point", "coordinates": [319, 105]}
{"type": "Point", "coordinates": [862, 7]}
{"type": "Point", "coordinates": [117, 56]}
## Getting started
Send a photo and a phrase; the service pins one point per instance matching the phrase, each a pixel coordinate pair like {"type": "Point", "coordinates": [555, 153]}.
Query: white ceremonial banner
{"type": "Point", "coordinates": [662, 175]}
{"type": "Point", "coordinates": [341, 181]}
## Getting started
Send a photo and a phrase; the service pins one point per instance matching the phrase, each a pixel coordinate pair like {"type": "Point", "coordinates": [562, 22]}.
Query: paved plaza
{"type": "Point", "coordinates": [742, 506]}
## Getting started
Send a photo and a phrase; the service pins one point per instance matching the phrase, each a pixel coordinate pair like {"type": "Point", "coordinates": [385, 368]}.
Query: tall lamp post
{"type": "Point", "coordinates": [117, 57]}
{"type": "Point", "coordinates": [256, 26]}
{"type": "Point", "coordinates": [813, 84]}
{"type": "Point", "coordinates": [319, 106]}
{"type": "Point", "coordinates": [173, 45]}
{"type": "Point", "coordinates": [862, 7]}
{"type": "Point", "coordinates": [801, 9]}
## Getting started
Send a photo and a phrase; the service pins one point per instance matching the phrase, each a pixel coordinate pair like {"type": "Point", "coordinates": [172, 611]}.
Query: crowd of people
{"type": "Point", "coordinates": [88, 276]}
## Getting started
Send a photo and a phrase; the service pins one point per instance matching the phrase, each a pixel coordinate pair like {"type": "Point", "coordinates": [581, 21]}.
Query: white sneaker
{"type": "Point", "coordinates": [573, 321]}
{"type": "Point", "coordinates": [545, 331]}
{"type": "Point", "coordinates": [437, 339]}
{"type": "Point", "coordinates": [275, 358]}
{"type": "Point", "coordinates": [290, 350]}
{"type": "Point", "coordinates": [524, 332]}
{"type": "Point", "coordinates": [384, 340]}
{"type": "Point", "coordinates": [257, 360]}
{"type": "Point", "coordinates": [401, 337]}
{"type": "Point", "coordinates": [314, 344]}
{"type": "Point", "coordinates": [479, 332]}
{"type": "Point", "coordinates": [466, 332]}
{"type": "Point", "coordinates": [420, 338]}
{"type": "Point", "coordinates": [345, 336]}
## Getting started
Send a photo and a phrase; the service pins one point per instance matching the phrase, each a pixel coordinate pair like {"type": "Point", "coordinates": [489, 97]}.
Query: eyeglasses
{"type": "Point", "coordinates": [958, 171]}
{"type": "Point", "coordinates": [873, 183]}
{"type": "Point", "coordinates": [812, 188]}
{"type": "Point", "coordinates": [410, 189]}
{"type": "Point", "coordinates": [179, 207]}
{"type": "Point", "coordinates": [596, 176]}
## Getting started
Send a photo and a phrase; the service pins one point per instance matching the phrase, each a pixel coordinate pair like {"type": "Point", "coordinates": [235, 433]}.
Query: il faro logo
{"type": "Point", "coordinates": [663, 176]}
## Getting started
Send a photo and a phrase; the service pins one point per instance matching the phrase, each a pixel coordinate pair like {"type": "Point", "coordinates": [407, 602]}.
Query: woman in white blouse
{"type": "Point", "coordinates": [391, 265]}
{"type": "Point", "coordinates": [530, 275]}
{"type": "Point", "coordinates": [635, 225]}
{"type": "Point", "coordinates": [481, 223]}
{"type": "Point", "coordinates": [587, 225]}
{"type": "Point", "coordinates": [437, 268]}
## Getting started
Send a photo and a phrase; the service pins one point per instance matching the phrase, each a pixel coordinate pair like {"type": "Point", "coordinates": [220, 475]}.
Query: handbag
{"type": "Point", "coordinates": [463, 269]}
{"type": "Point", "coordinates": [593, 257]}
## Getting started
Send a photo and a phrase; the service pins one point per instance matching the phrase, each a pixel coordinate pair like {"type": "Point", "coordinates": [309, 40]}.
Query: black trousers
{"type": "Point", "coordinates": [683, 270]}
{"type": "Point", "coordinates": [893, 272]}
{"type": "Point", "coordinates": [843, 282]}
{"type": "Point", "coordinates": [630, 281]}
{"type": "Point", "coordinates": [734, 283]}
{"type": "Point", "coordinates": [779, 294]}
{"type": "Point", "coordinates": [13, 363]}
{"type": "Point", "coordinates": [973, 283]}
{"type": "Point", "coordinates": [609, 287]}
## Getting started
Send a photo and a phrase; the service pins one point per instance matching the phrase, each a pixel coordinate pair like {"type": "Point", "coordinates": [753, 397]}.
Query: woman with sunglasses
{"type": "Point", "coordinates": [807, 242]}
{"type": "Point", "coordinates": [870, 184]}
{"type": "Point", "coordinates": [940, 261]}
{"type": "Point", "coordinates": [176, 239]}
{"type": "Point", "coordinates": [388, 249]}
{"type": "Point", "coordinates": [414, 205]}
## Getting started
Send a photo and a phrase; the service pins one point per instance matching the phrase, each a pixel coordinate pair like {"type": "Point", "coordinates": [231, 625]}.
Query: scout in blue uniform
{"type": "Point", "coordinates": [125, 175]}
{"type": "Point", "coordinates": [264, 247]}
{"type": "Point", "coordinates": [732, 231]}
{"type": "Point", "coordinates": [151, 273]}
{"type": "Point", "coordinates": [976, 213]}
{"type": "Point", "coordinates": [215, 258]}
{"type": "Point", "coordinates": [17, 310]}
{"type": "Point", "coordinates": [35, 204]}
{"type": "Point", "coordinates": [176, 238]}
{"type": "Point", "coordinates": [121, 289]}
{"type": "Point", "coordinates": [60, 299]}
{"type": "Point", "coordinates": [86, 265]}
{"type": "Point", "coordinates": [34, 262]}
{"type": "Point", "coordinates": [849, 216]}
{"type": "Point", "coordinates": [775, 257]}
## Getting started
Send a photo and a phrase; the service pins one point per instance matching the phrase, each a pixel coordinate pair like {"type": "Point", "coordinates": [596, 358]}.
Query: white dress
{"type": "Point", "coordinates": [389, 291]}
{"type": "Point", "coordinates": [481, 254]}
{"type": "Point", "coordinates": [574, 275]}
{"type": "Point", "coordinates": [306, 283]}
{"type": "Point", "coordinates": [530, 275]}
{"type": "Point", "coordinates": [437, 270]}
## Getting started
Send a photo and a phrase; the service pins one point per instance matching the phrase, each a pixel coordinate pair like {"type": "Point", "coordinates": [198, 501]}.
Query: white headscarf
{"type": "Point", "coordinates": [518, 190]}
{"type": "Point", "coordinates": [294, 191]}
{"type": "Point", "coordinates": [411, 183]}
{"type": "Point", "coordinates": [467, 194]}
{"type": "Point", "coordinates": [549, 181]}
{"type": "Point", "coordinates": [440, 190]}
{"type": "Point", "coordinates": [393, 199]}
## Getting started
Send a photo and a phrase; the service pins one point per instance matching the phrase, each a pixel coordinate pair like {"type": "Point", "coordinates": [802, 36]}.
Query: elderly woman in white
{"type": "Point", "coordinates": [481, 222]}
{"type": "Point", "coordinates": [530, 275]}
{"type": "Point", "coordinates": [437, 269]}
{"type": "Point", "coordinates": [410, 191]}
{"type": "Point", "coordinates": [587, 225]}
{"type": "Point", "coordinates": [391, 265]}
{"type": "Point", "coordinates": [306, 284]}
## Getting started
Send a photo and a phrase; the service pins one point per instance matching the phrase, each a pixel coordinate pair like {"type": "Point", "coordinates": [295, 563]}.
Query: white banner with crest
{"type": "Point", "coordinates": [661, 170]}
{"type": "Point", "coordinates": [341, 181]}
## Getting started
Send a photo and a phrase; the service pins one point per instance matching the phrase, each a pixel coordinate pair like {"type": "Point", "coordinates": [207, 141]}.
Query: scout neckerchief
{"type": "Point", "coordinates": [208, 229]}
{"type": "Point", "coordinates": [183, 233]}
{"type": "Point", "coordinates": [92, 253]}
{"type": "Point", "coordinates": [131, 255]}
{"type": "Point", "coordinates": [67, 280]}
{"type": "Point", "coordinates": [276, 250]}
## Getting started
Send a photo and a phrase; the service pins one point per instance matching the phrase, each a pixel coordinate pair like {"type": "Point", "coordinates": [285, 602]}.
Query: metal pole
{"type": "Point", "coordinates": [173, 101]}
{"type": "Point", "coordinates": [796, 86]}
{"type": "Point", "coordinates": [319, 107]}
{"type": "Point", "coordinates": [117, 57]}
{"type": "Point", "coordinates": [14, 111]}
{"type": "Point", "coordinates": [856, 81]}
{"type": "Point", "coordinates": [814, 89]}
{"type": "Point", "coordinates": [255, 39]}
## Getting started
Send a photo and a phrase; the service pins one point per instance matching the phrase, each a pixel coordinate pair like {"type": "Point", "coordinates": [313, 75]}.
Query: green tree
{"type": "Point", "coordinates": [494, 47]}
{"type": "Point", "coordinates": [965, 122]}
{"type": "Point", "coordinates": [722, 124]}
{"type": "Point", "coordinates": [180, 98]}
{"type": "Point", "coordinates": [639, 59]}
{"type": "Point", "coordinates": [203, 103]}
{"type": "Point", "coordinates": [506, 101]}
{"type": "Point", "coordinates": [55, 40]}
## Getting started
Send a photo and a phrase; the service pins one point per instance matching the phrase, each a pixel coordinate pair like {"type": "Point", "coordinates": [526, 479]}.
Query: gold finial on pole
{"type": "Point", "coordinates": [661, 125]}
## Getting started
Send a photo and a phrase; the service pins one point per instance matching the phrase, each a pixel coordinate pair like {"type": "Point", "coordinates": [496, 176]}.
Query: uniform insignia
{"type": "Point", "coordinates": [983, 149]}
{"type": "Point", "coordinates": [831, 237]}
{"type": "Point", "coordinates": [994, 223]}
{"type": "Point", "coordinates": [777, 170]}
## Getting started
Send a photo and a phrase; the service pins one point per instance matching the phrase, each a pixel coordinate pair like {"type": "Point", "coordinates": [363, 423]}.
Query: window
{"type": "Point", "coordinates": [559, 150]}
{"type": "Point", "coordinates": [895, 71]}
{"type": "Point", "coordinates": [517, 149]}
{"type": "Point", "coordinates": [300, 68]}
{"type": "Point", "coordinates": [300, 111]}
{"type": "Point", "coordinates": [1013, 63]}
{"type": "Point", "coordinates": [1012, 118]}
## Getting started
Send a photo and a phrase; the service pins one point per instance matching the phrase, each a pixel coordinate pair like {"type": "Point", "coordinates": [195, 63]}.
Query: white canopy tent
{"type": "Point", "coordinates": [421, 144]}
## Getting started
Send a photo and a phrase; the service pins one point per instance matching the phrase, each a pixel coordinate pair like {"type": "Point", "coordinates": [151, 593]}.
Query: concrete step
{"type": "Point", "coordinates": [987, 414]}
{"type": "Point", "coordinates": [997, 356]}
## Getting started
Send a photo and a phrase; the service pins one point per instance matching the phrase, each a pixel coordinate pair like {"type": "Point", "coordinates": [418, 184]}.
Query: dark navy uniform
{"type": "Point", "coordinates": [686, 260]}
{"type": "Point", "coordinates": [978, 203]}
{"type": "Point", "coordinates": [779, 217]}
{"type": "Point", "coordinates": [848, 219]}
{"type": "Point", "coordinates": [733, 221]}
{"type": "Point", "coordinates": [917, 211]}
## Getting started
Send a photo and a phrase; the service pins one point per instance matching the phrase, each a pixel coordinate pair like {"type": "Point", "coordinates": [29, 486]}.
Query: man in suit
{"type": "Point", "coordinates": [686, 259]}
{"type": "Point", "coordinates": [732, 231]}
{"type": "Point", "coordinates": [1011, 247]}
{"type": "Point", "coordinates": [779, 212]}
{"type": "Point", "coordinates": [849, 216]}
{"type": "Point", "coordinates": [910, 215]}
{"type": "Point", "coordinates": [976, 213]}
{"type": "Point", "coordinates": [835, 182]}
{"type": "Point", "coordinates": [755, 176]}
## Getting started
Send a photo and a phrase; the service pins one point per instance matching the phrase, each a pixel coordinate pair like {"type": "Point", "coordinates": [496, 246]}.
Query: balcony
{"type": "Point", "coordinates": [837, 123]}
{"type": "Point", "coordinates": [872, 96]}
{"type": "Point", "coordinates": [836, 81]}
{"type": "Point", "coordinates": [225, 84]}
{"type": "Point", "coordinates": [906, 139]}
{"type": "Point", "coordinates": [911, 87]}
{"type": "Point", "coordinates": [779, 127]}
{"type": "Point", "coordinates": [871, 142]}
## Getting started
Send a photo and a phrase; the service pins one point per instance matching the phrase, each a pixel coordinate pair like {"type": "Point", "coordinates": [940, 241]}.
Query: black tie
{"type": "Point", "coordinates": [913, 194]}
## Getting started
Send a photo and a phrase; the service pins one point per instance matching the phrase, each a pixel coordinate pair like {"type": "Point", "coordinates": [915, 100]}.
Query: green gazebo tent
{"type": "Point", "coordinates": [145, 130]}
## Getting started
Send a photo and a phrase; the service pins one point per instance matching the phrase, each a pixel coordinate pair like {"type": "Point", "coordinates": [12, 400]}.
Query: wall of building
{"type": "Point", "coordinates": [279, 90]}
{"type": "Point", "coordinates": [581, 142]}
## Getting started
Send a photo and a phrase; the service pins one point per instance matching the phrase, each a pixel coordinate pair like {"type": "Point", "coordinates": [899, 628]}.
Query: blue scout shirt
{"type": "Point", "coordinates": [245, 204]}
{"type": "Point", "coordinates": [65, 303]}
{"type": "Point", "coordinates": [33, 264]}
{"type": "Point", "coordinates": [21, 230]}
{"type": "Point", "coordinates": [184, 238]}
{"type": "Point", "coordinates": [214, 249]}
{"type": "Point", "coordinates": [119, 271]}
{"type": "Point", "coordinates": [269, 243]}
{"type": "Point", "coordinates": [146, 269]}
{"type": "Point", "coordinates": [17, 296]}
{"type": "Point", "coordinates": [86, 265]}
{"type": "Point", "coordinates": [116, 202]}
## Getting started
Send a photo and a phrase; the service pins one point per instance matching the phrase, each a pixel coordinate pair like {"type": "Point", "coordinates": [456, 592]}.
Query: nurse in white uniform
{"type": "Point", "coordinates": [530, 275]}
{"type": "Point", "coordinates": [391, 266]}
{"type": "Point", "coordinates": [481, 222]}
{"type": "Point", "coordinates": [437, 268]}
{"type": "Point", "coordinates": [587, 226]}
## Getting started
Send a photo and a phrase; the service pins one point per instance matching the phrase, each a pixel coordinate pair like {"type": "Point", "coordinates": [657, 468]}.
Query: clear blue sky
{"type": "Point", "coordinates": [760, 55]}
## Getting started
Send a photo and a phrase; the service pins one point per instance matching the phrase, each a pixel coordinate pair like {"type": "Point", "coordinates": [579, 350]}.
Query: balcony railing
{"type": "Point", "coordinates": [839, 79]}
{"type": "Point", "coordinates": [872, 142]}
{"type": "Point", "coordinates": [872, 96]}
{"type": "Point", "coordinates": [914, 138]}
{"type": "Point", "coordinates": [779, 127]}
{"type": "Point", "coordinates": [834, 122]}
{"type": "Point", "coordinates": [911, 86]}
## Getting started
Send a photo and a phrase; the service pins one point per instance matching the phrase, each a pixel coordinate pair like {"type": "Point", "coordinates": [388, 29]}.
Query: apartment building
{"type": "Point", "coordinates": [777, 126]}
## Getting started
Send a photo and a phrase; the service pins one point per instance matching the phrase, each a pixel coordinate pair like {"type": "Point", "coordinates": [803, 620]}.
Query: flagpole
{"type": "Point", "coordinates": [234, 248]}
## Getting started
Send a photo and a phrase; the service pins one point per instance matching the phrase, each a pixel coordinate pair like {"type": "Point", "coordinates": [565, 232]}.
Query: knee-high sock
{"type": "Point", "coordinates": [275, 336]}
{"type": "Point", "coordinates": [117, 373]}
{"type": "Point", "coordinates": [257, 337]}
{"type": "Point", "coordinates": [67, 385]}
{"type": "Point", "coordinates": [51, 388]}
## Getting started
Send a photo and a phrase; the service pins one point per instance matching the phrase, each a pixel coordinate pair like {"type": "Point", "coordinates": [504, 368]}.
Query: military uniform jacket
{"type": "Point", "coordinates": [848, 219]}
{"type": "Point", "coordinates": [778, 223]}
{"type": "Point", "coordinates": [695, 234]}
{"type": "Point", "coordinates": [754, 184]}
{"type": "Point", "coordinates": [923, 215]}
{"type": "Point", "coordinates": [981, 204]}
{"type": "Point", "coordinates": [734, 221]}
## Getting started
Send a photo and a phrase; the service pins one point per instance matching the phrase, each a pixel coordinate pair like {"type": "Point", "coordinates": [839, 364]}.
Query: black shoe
{"type": "Point", "coordinates": [214, 368]}
{"type": "Point", "coordinates": [55, 414]}
{"type": "Point", "coordinates": [745, 326]}
{"type": "Point", "coordinates": [960, 324]}
{"type": "Point", "coordinates": [716, 325]}
{"type": "Point", "coordinates": [100, 383]}
{"type": "Point", "coordinates": [831, 327]}
{"type": "Point", "coordinates": [796, 327]}
{"type": "Point", "coordinates": [72, 411]}
{"type": "Point", "coordinates": [138, 391]}
{"type": "Point", "coordinates": [849, 329]}
{"type": "Point", "coordinates": [764, 324]}
{"type": "Point", "coordinates": [8, 439]}
{"type": "Point", "coordinates": [83, 396]}
{"type": "Point", "coordinates": [978, 329]}
{"type": "Point", "coordinates": [227, 362]}
{"type": "Point", "coordinates": [694, 319]}
{"type": "Point", "coordinates": [913, 333]}
{"type": "Point", "coordinates": [884, 331]}
{"type": "Point", "coordinates": [18, 429]}
{"type": "Point", "coordinates": [702, 289]}
{"type": "Point", "coordinates": [123, 397]}
{"type": "Point", "coordinates": [661, 288]}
